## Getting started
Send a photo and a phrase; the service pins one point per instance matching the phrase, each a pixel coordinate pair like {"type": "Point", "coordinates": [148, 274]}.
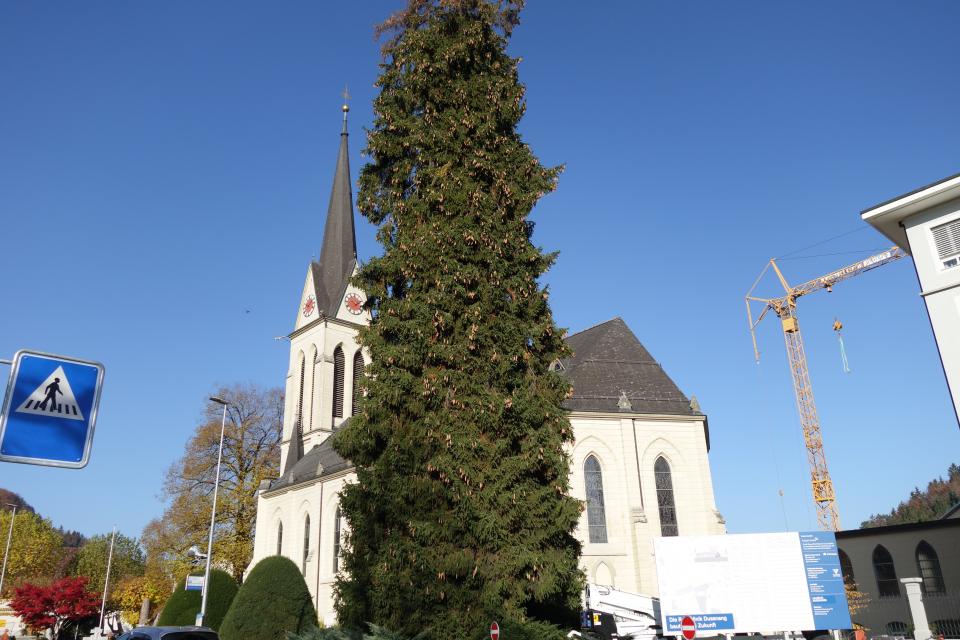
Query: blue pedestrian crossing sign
{"type": "Point", "coordinates": [50, 410]}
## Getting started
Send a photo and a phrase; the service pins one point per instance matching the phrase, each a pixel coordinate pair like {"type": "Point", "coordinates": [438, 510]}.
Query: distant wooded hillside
{"type": "Point", "coordinates": [922, 506]}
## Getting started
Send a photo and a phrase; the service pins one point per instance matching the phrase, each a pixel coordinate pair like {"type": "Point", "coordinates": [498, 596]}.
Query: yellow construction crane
{"type": "Point", "coordinates": [785, 307]}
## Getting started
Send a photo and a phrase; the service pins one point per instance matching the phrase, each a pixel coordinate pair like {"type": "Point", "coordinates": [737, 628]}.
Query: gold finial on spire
{"type": "Point", "coordinates": [345, 107]}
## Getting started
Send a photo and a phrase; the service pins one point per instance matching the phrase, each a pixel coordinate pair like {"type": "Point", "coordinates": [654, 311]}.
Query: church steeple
{"type": "Point", "coordinates": [338, 255]}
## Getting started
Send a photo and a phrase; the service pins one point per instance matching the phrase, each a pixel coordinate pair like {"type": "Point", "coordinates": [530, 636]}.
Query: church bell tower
{"type": "Point", "coordinates": [325, 360]}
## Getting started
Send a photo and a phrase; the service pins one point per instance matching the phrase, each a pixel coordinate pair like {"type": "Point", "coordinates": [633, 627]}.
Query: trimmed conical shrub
{"type": "Point", "coordinates": [273, 600]}
{"type": "Point", "coordinates": [183, 606]}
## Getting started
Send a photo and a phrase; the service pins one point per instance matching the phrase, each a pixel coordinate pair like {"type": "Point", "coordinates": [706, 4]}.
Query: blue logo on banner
{"type": "Point", "coordinates": [821, 562]}
{"type": "Point", "coordinates": [50, 410]}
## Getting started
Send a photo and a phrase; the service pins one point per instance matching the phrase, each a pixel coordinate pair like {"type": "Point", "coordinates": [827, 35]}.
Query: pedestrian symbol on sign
{"type": "Point", "coordinates": [43, 401]}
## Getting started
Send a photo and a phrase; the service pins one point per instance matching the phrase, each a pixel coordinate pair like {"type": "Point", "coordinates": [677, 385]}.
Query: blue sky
{"type": "Point", "coordinates": [165, 167]}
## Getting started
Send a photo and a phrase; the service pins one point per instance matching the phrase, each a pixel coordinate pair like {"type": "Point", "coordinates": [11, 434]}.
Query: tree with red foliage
{"type": "Point", "coordinates": [57, 605]}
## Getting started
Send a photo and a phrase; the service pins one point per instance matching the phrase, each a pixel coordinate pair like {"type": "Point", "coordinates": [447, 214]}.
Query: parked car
{"type": "Point", "coordinates": [170, 633]}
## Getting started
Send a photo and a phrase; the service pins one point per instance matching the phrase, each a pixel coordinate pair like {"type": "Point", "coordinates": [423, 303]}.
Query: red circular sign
{"type": "Point", "coordinates": [688, 627]}
{"type": "Point", "coordinates": [494, 631]}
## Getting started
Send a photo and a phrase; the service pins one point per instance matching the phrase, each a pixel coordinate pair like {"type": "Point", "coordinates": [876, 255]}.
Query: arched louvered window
{"type": "Point", "coordinates": [338, 366]}
{"type": "Point", "coordinates": [357, 374]}
{"type": "Point", "coordinates": [596, 515]}
{"type": "Point", "coordinates": [306, 544]}
{"type": "Point", "coordinates": [303, 373]}
{"type": "Point", "coordinates": [665, 503]}
{"type": "Point", "coordinates": [928, 564]}
{"type": "Point", "coordinates": [846, 568]}
{"type": "Point", "coordinates": [279, 538]}
{"type": "Point", "coordinates": [313, 383]}
{"type": "Point", "coordinates": [887, 584]}
{"type": "Point", "coordinates": [337, 532]}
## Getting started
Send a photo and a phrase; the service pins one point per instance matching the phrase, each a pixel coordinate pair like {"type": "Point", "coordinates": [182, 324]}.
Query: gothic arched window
{"type": "Point", "coordinates": [303, 373]}
{"type": "Point", "coordinates": [928, 564]}
{"type": "Point", "coordinates": [846, 568]}
{"type": "Point", "coordinates": [338, 366]}
{"type": "Point", "coordinates": [337, 533]}
{"type": "Point", "coordinates": [357, 374]}
{"type": "Point", "coordinates": [665, 503]}
{"type": "Point", "coordinates": [279, 538]}
{"type": "Point", "coordinates": [596, 515]}
{"type": "Point", "coordinates": [887, 584]}
{"type": "Point", "coordinates": [306, 544]}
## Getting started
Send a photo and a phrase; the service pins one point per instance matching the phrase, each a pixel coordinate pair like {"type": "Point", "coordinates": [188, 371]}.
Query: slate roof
{"type": "Point", "coordinates": [338, 254]}
{"type": "Point", "coordinates": [319, 462]}
{"type": "Point", "coordinates": [609, 359]}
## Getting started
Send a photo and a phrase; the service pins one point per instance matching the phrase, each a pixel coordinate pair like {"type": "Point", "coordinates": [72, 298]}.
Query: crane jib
{"type": "Point", "coordinates": [863, 264]}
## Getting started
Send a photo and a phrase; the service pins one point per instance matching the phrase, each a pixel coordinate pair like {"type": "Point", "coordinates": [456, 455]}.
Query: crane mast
{"type": "Point", "coordinates": [785, 307]}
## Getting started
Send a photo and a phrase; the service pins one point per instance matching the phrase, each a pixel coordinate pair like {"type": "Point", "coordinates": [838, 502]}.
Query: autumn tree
{"type": "Point", "coordinates": [130, 593]}
{"type": "Point", "coordinates": [251, 453]}
{"type": "Point", "coordinates": [59, 606]}
{"type": "Point", "coordinates": [461, 513]}
{"type": "Point", "coordinates": [923, 506]}
{"type": "Point", "coordinates": [91, 562]}
{"type": "Point", "coordinates": [35, 549]}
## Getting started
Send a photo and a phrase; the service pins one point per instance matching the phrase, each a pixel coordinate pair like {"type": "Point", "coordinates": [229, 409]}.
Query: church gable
{"type": "Point", "coordinates": [611, 371]}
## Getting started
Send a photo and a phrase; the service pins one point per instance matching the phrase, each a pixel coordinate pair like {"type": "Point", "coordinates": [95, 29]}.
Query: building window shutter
{"type": "Point", "coordinates": [357, 375]}
{"type": "Point", "coordinates": [306, 544]}
{"type": "Point", "coordinates": [279, 538]}
{"type": "Point", "coordinates": [947, 238]}
{"type": "Point", "coordinates": [887, 584]}
{"type": "Point", "coordinates": [596, 515]}
{"type": "Point", "coordinates": [928, 564]}
{"type": "Point", "coordinates": [338, 366]}
{"type": "Point", "coordinates": [665, 502]}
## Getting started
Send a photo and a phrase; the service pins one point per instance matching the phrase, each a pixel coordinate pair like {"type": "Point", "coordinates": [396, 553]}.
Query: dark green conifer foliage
{"type": "Point", "coordinates": [273, 600]}
{"type": "Point", "coordinates": [183, 606]}
{"type": "Point", "coordinates": [461, 513]}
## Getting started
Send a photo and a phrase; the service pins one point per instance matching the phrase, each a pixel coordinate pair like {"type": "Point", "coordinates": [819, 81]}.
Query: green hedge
{"type": "Point", "coordinates": [183, 606]}
{"type": "Point", "coordinates": [273, 600]}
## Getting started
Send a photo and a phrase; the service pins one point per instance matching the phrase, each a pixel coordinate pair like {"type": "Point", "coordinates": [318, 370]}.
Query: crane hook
{"type": "Point", "coordinates": [837, 326]}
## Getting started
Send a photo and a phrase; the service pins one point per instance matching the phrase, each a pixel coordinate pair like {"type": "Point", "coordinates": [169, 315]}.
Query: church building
{"type": "Point", "coordinates": [639, 461]}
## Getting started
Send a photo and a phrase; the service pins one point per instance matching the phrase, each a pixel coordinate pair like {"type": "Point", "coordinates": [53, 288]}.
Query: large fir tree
{"type": "Point", "coordinates": [461, 513]}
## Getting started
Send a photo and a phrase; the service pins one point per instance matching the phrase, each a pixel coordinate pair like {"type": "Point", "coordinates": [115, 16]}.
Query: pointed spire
{"type": "Point", "coordinates": [338, 255]}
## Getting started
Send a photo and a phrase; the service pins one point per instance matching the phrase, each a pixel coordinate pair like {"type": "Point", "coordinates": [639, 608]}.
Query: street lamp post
{"type": "Point", "coordinates": [213, 513]}
{"type": "Point", "coordinates": [6, 554]}
{"type": "Point", "coordinates": [106, 580]}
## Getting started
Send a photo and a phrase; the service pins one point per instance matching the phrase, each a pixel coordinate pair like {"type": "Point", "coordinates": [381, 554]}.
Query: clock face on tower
{"type": "Point", "coordinates": [309, 306]}
{"type": "Point", "coordinates": [354, 303]}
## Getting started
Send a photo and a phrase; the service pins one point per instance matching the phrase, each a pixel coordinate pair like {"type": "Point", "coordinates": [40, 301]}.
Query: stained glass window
{"type": "Point", "coordinates": [596, 517]}
{"type": "Point", "coordinates": [337, 532]}
{"type": "Point", "coordinates": [306, 545]}
{"type": "Point", "coordinates": [665, 503]}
